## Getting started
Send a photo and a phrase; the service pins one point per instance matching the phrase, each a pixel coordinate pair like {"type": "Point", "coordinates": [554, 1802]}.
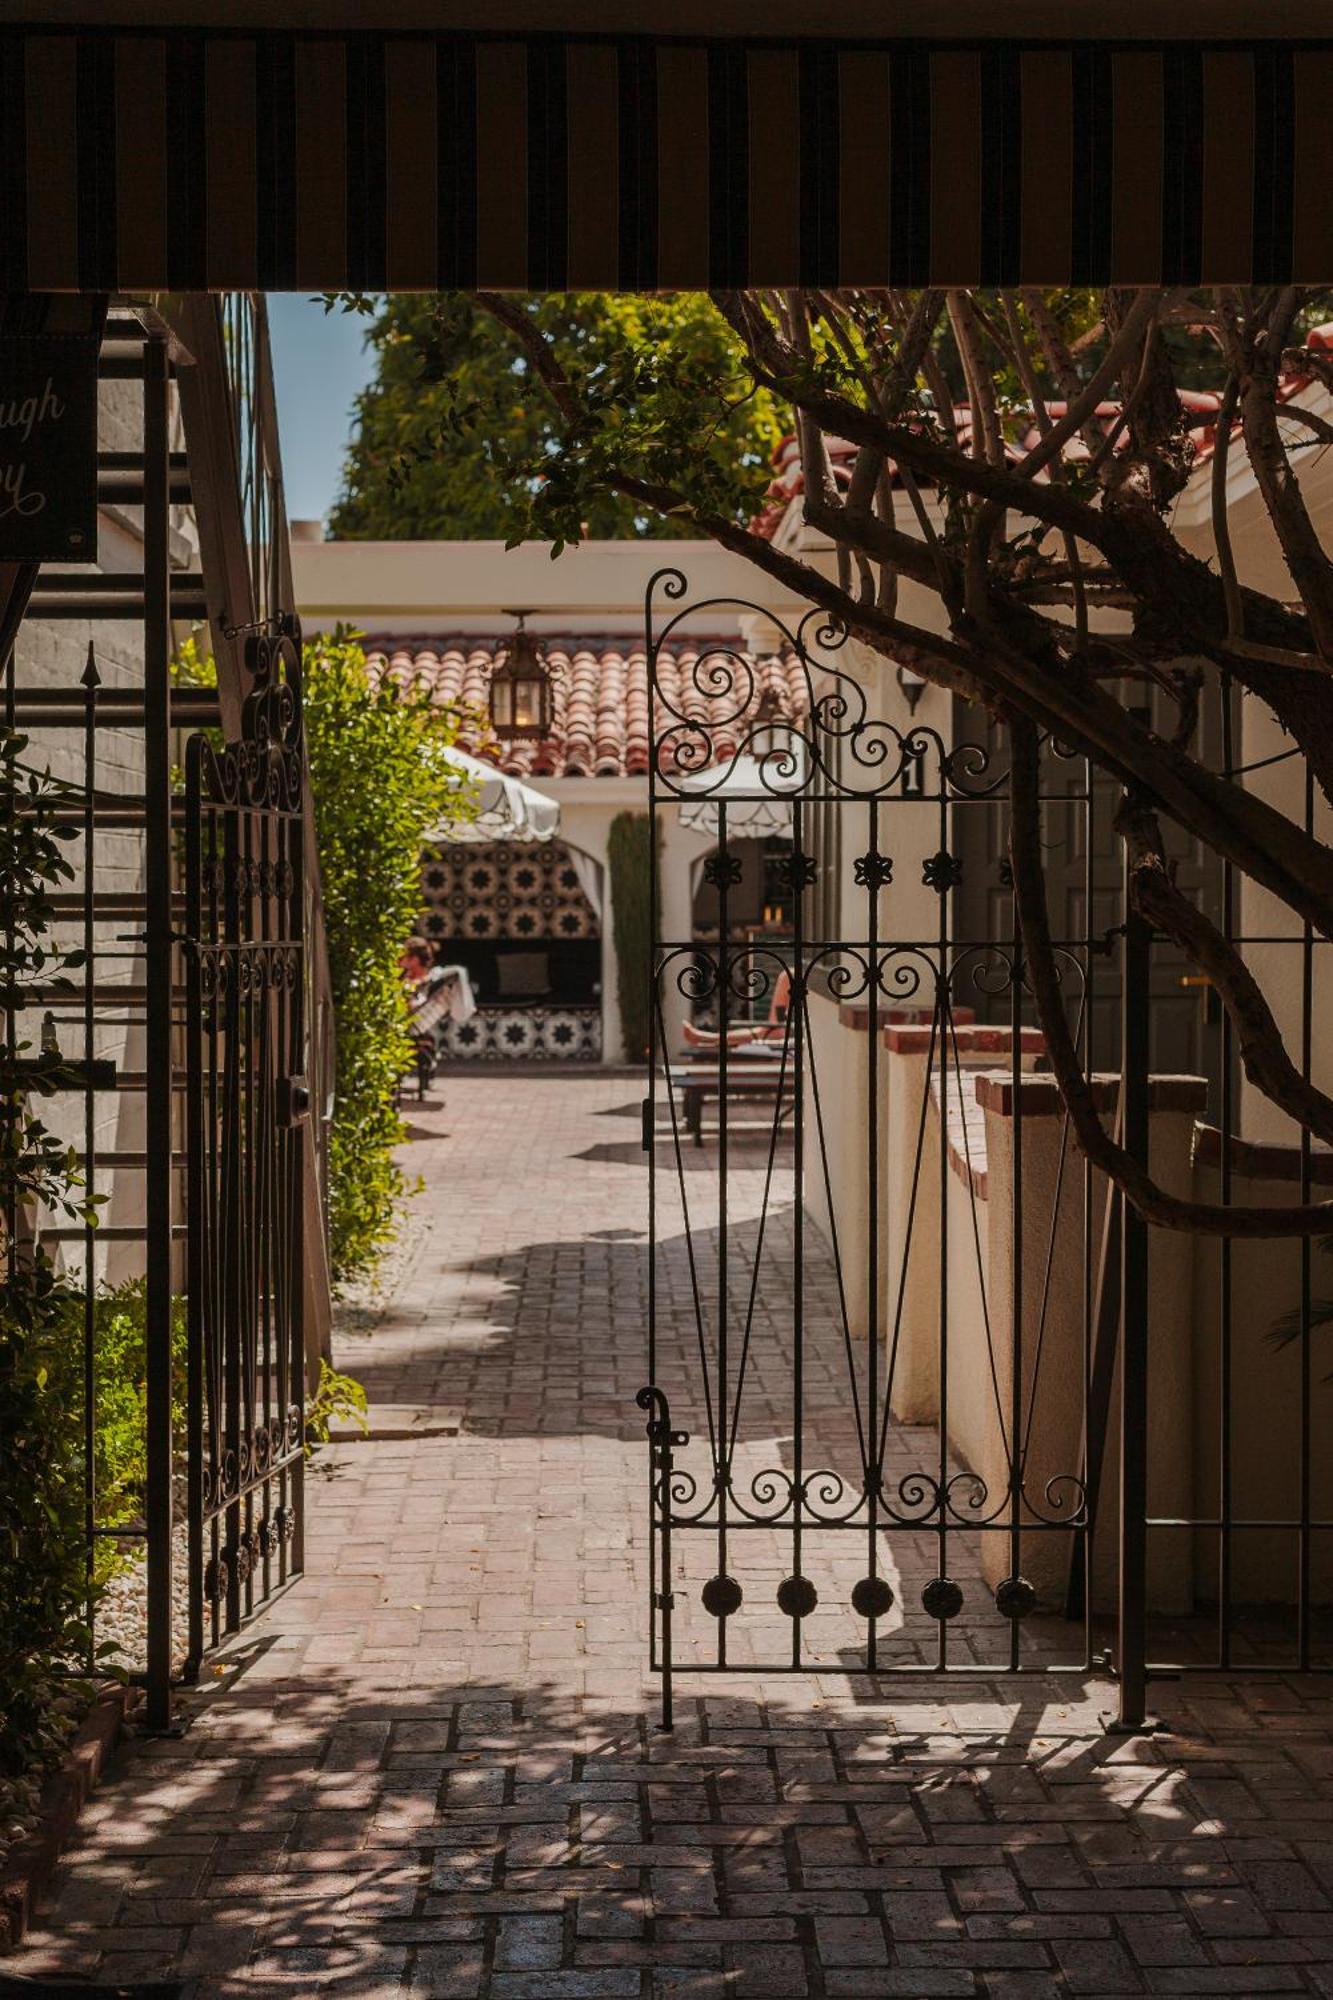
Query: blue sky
{"type": "Point", "coordinates": [319, 366]}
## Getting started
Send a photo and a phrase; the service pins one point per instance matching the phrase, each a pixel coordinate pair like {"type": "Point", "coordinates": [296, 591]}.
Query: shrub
{"type": "Point", "coordinates": [44, 1589]}
{"type": "Point", "coordinates": [631, 863]}
{"type": "Point", "coordinates": [120, 1400]}
{"type": "Point", "coordinates": [43, 1583]}
{"type": "Point", "coordinates": [381, 785]}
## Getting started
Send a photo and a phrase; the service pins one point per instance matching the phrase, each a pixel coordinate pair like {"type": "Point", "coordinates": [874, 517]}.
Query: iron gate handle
{"type": "Point", "coordinates": [293, 1101]}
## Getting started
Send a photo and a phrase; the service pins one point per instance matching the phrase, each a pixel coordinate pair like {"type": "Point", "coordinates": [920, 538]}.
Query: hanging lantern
{"type": "Point", "coordinates": [520, 693]}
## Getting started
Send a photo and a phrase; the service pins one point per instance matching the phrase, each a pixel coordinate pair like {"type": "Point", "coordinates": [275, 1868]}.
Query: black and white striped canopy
{"type": "Point", "coordinates": [186, 158]}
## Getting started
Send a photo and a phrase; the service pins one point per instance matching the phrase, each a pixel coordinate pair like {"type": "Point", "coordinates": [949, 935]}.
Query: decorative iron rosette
{"type": "Point", "coordinates": [1015, 1597]}
{"type": "Point", "coordinates": [721, 1596]}
{"type": "Point", "coordinates": [872, 1597]}
{"type": "Point", "coordinates": [942, 871]}
{"type": "Point", "coordinates": [942, 1599]}
{"type": "Point", "coordinates": [872, 871]}
{"type": "Point", "coordinates": [797, 1596]}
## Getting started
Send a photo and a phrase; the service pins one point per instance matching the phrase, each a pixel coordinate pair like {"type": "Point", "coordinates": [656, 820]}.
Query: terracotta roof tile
{"type": "Point", "coordinates": [601, 698]}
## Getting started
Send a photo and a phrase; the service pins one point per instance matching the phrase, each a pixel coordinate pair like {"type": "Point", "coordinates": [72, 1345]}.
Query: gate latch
{"type": "Point", "coordinates": [293, 1101]}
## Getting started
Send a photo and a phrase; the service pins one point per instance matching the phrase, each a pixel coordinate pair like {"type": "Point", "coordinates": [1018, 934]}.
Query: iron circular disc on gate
{"type": "Point", "coordinates": [721, 1596]}
{"type": "Point", "coordinates": [1015, 1597]}
{"type": "Point", "coordinates": [942, 1598]}
{"type": "Point", "coordinates": [797, 1596]}
{"type": "Point", "coordinates": [872, 1597]}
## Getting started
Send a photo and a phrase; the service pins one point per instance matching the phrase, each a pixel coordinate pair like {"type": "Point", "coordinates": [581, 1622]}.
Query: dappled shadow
{"type": "Point", "coordinates": [612, 1153]}
{"type": "Point", "coordinates": [542, 1334]}
{"type": "Point", "coordinates": [326, 1830]}
{"type": "Point", "coordinates": [435, 1769]}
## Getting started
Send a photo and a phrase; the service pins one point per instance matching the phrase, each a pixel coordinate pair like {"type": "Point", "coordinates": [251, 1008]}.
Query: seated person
{"type": "Point", "coordinates": [416, 963]}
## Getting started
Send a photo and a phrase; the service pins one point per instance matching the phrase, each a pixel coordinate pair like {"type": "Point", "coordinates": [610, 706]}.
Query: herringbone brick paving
{"type": "Point", "coordinates": [434, 1769]}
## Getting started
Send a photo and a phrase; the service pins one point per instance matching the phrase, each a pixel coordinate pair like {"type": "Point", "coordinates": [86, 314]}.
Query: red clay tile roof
{"type": "Point", "coordinates": [601, 698]}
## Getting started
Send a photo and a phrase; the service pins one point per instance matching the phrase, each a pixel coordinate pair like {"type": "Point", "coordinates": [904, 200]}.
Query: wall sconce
{"type": "Point", "coordinates": [912, 686]}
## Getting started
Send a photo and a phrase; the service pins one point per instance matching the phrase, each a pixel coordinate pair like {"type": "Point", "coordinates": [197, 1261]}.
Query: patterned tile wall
{"type": "Point", "coordinates": [513, 891]}
{"type": "Point", "coordinates": [526, 1034]}
{"type": "Point", "coordinates": [506, 891]}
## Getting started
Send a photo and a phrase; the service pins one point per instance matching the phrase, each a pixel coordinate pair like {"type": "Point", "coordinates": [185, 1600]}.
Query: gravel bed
{"type": "Point", "coordinates": [122, 1614]}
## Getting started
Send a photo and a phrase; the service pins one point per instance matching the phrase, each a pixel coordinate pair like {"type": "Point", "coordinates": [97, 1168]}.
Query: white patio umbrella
{"type": "Point", "coordinates": [753, 795]}
{"type": "Point", "coordinates": [507, 809]}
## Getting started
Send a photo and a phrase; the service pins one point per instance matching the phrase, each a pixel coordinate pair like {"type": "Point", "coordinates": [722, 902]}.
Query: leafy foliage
{"type": "Point", "coordinates": [631, 863]}
{"type": "Point", "coordinates": [454, 439]}
{"type": "Point", "coordinates": [336, 1395]}
{"type": "Point", "coordinates": [120, 1399]}
{"type": "Point", "coordinates": [381, 785]}
{"type": "Point", "coordinates": [43, 1585]}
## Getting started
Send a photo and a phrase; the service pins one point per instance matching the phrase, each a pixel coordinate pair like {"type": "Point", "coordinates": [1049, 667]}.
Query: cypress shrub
{"type": "Point", "coordinates": [631, 865]}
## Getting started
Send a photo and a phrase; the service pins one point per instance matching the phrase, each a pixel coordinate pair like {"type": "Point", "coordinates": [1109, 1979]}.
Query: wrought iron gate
{"type": "Point", "coordinates": [811, 1506]}
{"type": "Point", "coordinates": [246, 1101]}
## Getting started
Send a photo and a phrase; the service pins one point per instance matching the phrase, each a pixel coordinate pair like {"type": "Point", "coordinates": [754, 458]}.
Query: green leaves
{"type": "Point", "coordinates": [456, 439]}
{"type": "Point", "coordinates": [44, 1586]}
{"type": "Point", "coordinates": [381, 786]}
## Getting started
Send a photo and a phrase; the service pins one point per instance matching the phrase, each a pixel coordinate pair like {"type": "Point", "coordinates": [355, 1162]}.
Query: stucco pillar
{"type": "Point", "coordinates": [914, 1224]}
{"type": "Point", "coordinates": [1048, 1311]}
{"type": "Point", "coordinates": [1259, 1418]}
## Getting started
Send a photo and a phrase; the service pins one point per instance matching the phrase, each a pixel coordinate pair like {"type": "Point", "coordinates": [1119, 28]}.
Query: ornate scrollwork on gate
{"type": "Point", "coordinates": [245, 988]}
{"type": "Point", "coordinates": [863, 1007]}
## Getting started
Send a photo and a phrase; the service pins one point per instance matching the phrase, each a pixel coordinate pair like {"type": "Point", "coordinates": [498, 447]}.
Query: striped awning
{"type": "Point", "coordinates": [222, 159]}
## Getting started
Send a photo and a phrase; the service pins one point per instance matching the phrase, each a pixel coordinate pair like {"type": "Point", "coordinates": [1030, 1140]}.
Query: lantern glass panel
{"type": "Point", "coordinates": [502, 702]}
{"type": "Point", "coordinates": [528, 704]}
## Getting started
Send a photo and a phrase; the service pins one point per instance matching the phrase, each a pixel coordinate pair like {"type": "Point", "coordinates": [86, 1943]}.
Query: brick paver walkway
{"type": "Point", "coordinates": [433, 1768]}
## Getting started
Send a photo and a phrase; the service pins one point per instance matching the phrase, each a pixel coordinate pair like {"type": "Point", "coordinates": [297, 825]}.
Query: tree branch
{"type": "Point", "coordinates": [1153, 1202]}
{"type": "Point", "coordinates": [1258, 1038]}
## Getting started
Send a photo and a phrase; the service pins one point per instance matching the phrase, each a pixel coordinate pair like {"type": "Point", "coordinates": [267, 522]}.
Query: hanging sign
{"type": "Point", "coordinates": [48, 448]}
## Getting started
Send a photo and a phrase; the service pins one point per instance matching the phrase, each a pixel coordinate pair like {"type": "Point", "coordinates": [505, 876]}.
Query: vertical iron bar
{"type": "Point", "coordinates": [269, 1183]}
{"type": "Point", "coordinates": [218, 1242]}
{"type": "Point", "coordinates": [251, 1194]}
{"type": "Point", "coordinates": [158, 950]}
{"type": "Point", "coordinates": [800, 1028]}
{"type": "Point", "coordinates": [723, 1022]}
{"type": "Point", "coordinates": [1225, 1470]}
{"type": "Point", "coordinates": [234, 1166]}
{"type": "Point", "coordinates": [943, 1013]}
{"type": "Point", "coordinates": [656, 1053]}
{"type": "Point", "coordinates": [666, 1463]}
{"type": "Point", "coordinates": [1083, 1540]}
{"type": "Point", "coordinates": [1016, 1428]}
{"type": "Point", "coordinates": [1307, 1056]}
{"type": "Point", "coordinates": [91, 680]}
{"type": "Point", "coordinates": [297, 1144]}
{"type": "Point", "coordinates": [1134, 1328]}
{"type": "Point", "coordinates": [197, 1208]}
{"type": "Point", "coordinates": [872, 1228]}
